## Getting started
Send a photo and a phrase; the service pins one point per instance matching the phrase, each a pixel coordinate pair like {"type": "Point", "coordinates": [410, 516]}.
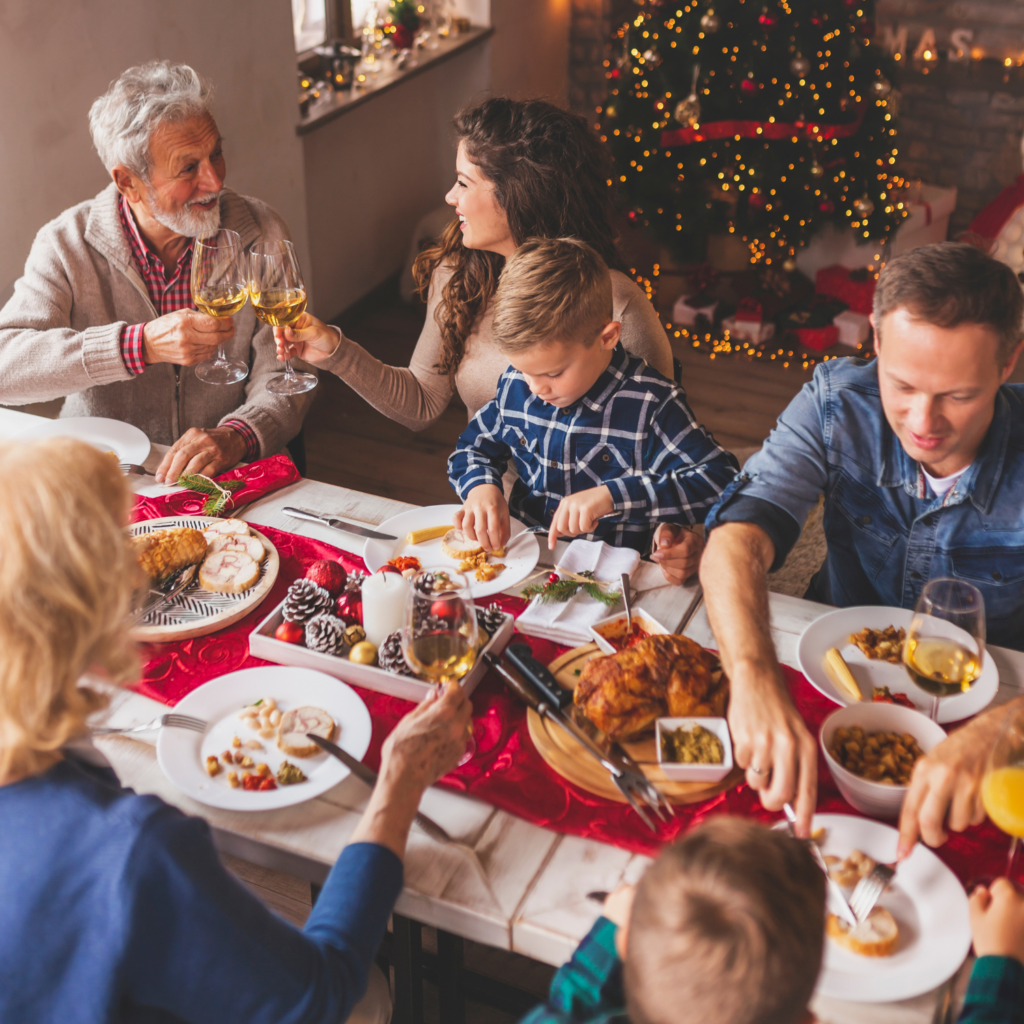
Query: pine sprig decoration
{"type": "Point", "coordinates": [219, 493]}
{"type": "Point", "coordinates": [565, 589]}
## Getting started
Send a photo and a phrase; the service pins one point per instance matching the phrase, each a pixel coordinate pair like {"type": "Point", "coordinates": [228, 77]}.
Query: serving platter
{"type": "Point", "coordinates": [520, 559]}
{"type": "Point", "coordinates": [834, 629]}
{"type": "Point", "coordinates": [181, 753]}
{"type": "Point", "coordinates": [567, 758]}
{"type": "Point", "coordinates": [196, 612]}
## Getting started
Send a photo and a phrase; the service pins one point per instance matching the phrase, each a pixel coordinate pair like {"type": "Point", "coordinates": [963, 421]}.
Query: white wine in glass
{"type": "Point", "coordinates": [439, 635]}
{"type": "Point", "coordinates": [945, 645]}
{"type": "Point", "coordinates": [279, 298]}
{"type": "Point", "coordinates": [219, 289]}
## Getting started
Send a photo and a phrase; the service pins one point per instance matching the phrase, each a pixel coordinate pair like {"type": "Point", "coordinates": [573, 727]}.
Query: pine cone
{"type": "Point", "coordinates": [390, 656]}
{"type": "Point", "coordinates": [432, 623]}
{"type": "Point", "coordinates": [325, 633]}
{"type": "Point", "coordinates": [305, 599]}
{"type": "Point", "coordinates": [354, 583]}
{"type": "Point", "coordinates": [490, 618]}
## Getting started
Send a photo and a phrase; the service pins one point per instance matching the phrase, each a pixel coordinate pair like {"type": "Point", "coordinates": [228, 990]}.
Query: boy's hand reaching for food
{"type": "Point", "coordinates": [578, 513]}
{"type": "Point", "coordinates": [484, 517]}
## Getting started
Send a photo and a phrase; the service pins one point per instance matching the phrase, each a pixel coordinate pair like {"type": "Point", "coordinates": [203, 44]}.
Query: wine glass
{"type": "Point", "coordinates": [279, 298]}
{"type": "Point", "coordinates": [945, 644]}
{"type": "Point", "coordinates": [439, 634]}
{"type": "Point", "coordinates": [219, 289]}
{"type": "Point", "coordinates": [1002, 788]}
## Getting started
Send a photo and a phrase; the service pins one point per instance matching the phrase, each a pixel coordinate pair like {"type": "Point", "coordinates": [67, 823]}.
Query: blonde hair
{"type": "Point", "coordinates": [66, 583]}
{"type": "Point", "coordinates": [552, 289]}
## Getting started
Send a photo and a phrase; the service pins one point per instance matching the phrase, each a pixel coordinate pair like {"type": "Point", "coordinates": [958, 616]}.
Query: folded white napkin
{"type": "Point", "coordinates": [569, 622]}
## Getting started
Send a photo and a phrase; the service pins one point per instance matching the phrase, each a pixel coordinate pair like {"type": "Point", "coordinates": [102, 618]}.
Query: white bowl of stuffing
{"type": "Point", "coordinates": [694, 749]}
{"type": "Point", "coordinates": [871, 750]}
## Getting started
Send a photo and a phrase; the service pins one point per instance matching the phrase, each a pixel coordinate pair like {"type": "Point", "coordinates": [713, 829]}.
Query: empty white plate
{"type": "Point", "coordinates": [128, 443]}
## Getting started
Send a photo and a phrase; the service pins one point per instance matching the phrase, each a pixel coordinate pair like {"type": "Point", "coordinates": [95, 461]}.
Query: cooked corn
{"type": "Point", "coordinates": [841, 674]}
{"type": "Point", "coordinates": [430, 533]}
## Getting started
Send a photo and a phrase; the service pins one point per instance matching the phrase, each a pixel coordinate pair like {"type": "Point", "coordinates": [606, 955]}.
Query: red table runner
{"type": "Point", "coordinates": [507, 771]}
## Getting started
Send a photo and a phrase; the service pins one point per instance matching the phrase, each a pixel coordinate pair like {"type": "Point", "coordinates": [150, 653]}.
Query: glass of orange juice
{"type": "Point", "coordinates": [1002, 788]}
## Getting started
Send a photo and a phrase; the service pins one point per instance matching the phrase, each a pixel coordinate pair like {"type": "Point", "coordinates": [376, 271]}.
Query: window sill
{"type": "Point", "coordinates": [340, 103]}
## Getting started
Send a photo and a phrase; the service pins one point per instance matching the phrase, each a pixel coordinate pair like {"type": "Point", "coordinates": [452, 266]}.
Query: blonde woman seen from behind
{"type": "Point", "coordinates": [115, 906]}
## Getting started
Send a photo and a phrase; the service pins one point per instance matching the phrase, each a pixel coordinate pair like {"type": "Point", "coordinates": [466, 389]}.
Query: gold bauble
{"type": "Point", "coordinates": [789, 265]}
{"type": "Point", "coordinates": [364, 653]}
{"type": "Point", "coordinates": [816, 169]}
{"type": "Point", "coordinates": [687, 111]}
{"type": "Point", "coordinates": [354, 634]}
{"type": "Point", "coordinates": [799, 65]}
{"type": "Point", "coordinates": [864, 206]}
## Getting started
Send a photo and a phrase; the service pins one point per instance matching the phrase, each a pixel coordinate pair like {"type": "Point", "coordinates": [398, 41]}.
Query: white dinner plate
{"type": "Point", "coordinates": [834, 629]}
{"type": "Point", "coordinates": [182, 753]}
{"type": "Point", "coordinates": [520, 557]}
{"type": "Point", "coordinates": [928, 903]}
{"type": "Point", "coordinates": [128, 443]}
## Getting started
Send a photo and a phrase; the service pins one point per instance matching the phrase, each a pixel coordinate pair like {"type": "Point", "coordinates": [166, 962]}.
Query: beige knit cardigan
{"type": "Point", "coordinates": [60, 333]}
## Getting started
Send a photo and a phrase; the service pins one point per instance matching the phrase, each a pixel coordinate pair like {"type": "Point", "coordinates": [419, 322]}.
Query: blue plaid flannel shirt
{"type": "Point", "coordinates": [633, 431]}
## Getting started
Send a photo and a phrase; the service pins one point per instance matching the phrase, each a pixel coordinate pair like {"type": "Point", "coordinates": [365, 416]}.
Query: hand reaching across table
{"type": "Point", "coordinates": [578, 513]}
{"type": "Point", "coordinates": [484, 517]}
{"type": "Point", "coordinates": [208, 452]}
{"type": "Point", "coordinates": [677, 549]}
{"type": "Point", "coordinates": [309, 339]}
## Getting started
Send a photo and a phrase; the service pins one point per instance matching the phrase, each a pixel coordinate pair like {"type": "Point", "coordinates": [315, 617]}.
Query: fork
{"type": "Point", "coordinates": [869, 889]}
{"type": "Point", "coordinates": [171, 721]}
{"type": "Point", "coordinates": [130, 469]}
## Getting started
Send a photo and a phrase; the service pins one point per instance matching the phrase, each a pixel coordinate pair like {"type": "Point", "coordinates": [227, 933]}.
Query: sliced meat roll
{"type": "Point", "coordinates": [252, 546]}
{"type": "Point", "coordinates": [291, 734]}
{"type": "Point", "coordinates": [229, 572]}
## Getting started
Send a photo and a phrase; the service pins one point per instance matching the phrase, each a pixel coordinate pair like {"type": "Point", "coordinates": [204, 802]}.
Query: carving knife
{"type": "Point", "coordinates": [369, 776]}
{"type": "Point", "coordinates": [337, 524]}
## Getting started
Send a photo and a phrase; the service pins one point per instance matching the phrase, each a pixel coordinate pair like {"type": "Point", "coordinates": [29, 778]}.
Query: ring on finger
{"type": "Point", "coordinates": [758, 771]}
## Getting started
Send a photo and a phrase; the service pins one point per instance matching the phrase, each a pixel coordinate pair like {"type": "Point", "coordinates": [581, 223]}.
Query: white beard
{"type": "Point", "coordinates": [190, 221]}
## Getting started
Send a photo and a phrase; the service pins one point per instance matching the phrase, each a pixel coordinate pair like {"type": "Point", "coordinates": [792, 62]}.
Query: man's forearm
{"type": "Point", "coordinates": [733, 573]}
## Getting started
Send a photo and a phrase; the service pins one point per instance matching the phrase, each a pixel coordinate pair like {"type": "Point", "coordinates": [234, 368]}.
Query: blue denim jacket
{"type": "Point", "coordinates": [887, 533]}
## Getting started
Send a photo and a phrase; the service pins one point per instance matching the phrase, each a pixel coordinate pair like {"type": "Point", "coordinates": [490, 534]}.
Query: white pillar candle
{"type": "Point", "coordinates": [384, 597]}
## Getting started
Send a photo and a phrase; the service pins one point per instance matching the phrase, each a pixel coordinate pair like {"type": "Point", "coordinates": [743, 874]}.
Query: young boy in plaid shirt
{"type": "Point", "coordinates": [604, 445]}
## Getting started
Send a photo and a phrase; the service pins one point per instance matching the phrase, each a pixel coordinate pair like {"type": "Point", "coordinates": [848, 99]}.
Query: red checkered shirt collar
{"type": "Point", "coordinates": [166, 294]}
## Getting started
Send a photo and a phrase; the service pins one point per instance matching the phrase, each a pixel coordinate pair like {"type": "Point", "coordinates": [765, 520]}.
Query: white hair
{"type": "Point", "coordinates": [123, 119]}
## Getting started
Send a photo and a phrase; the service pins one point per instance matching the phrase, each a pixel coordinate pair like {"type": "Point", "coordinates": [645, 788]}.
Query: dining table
{"type": "Point", "coordinates": [505, 883]}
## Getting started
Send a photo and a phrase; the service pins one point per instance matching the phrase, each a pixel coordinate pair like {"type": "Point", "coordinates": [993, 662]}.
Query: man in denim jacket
{"type": "Point", "coordinates": [920, 456]}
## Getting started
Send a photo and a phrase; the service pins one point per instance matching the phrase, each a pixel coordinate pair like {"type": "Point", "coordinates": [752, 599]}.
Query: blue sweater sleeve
{"type": "Point", "coordinates": [480, 456]}
{"type": "Point", "coordinates": [202, 947]}
{"type": "Point", "coordinates": [995, 994]}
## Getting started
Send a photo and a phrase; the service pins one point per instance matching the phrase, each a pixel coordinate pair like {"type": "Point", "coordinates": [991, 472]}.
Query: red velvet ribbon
{"type": "Point", "coordinates": [762, 129]}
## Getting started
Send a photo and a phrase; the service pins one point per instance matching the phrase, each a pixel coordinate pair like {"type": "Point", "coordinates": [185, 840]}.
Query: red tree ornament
{"type": "Point", "coordinates": [329, 575]}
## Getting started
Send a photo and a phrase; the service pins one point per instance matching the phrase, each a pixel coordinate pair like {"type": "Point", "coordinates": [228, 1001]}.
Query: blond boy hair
{"type": "Point", "coordinates": [66, 584]}
{"type": "Point", "coordinates": [728, 923]}
{"type": "Point", "coordinates": [552, 289]}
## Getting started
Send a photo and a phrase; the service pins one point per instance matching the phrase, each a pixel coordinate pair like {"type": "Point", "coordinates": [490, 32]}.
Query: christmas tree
{"type": "Point", "coordinates": [761, 119]}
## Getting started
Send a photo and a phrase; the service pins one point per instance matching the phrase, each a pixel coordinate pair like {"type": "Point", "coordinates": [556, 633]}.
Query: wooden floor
{"type": "Point", "coordinates": [351, 444]}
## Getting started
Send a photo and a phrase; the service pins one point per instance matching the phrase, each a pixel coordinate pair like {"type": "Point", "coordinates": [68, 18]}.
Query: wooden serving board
{"type": "Point", "coordinates": [197, 612]}
{"type": "Point", "coordinates": [567, 758]}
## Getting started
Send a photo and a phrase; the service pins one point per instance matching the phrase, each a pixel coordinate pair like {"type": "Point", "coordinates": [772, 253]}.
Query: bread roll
{"type": "Point", "coordinates": [877, 936]}
{"type": "Point", "coordinates": [291, 733]}
{"type": "Point", "coordinates": [228, 572]}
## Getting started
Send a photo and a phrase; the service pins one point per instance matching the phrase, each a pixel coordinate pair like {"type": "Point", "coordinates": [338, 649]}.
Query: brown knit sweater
{"type": "Point", "coordinates": [416, 395]}
{"type": "Point", "coordinates": [60, 333]}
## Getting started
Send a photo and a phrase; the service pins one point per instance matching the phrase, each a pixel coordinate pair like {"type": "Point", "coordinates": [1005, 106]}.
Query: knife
{"type": "Point", "coordinates": [369, 776]}
{"type": "Point", "coordinates": [837, 893]}
{"type": "Point", "coordinates": [338, 524]}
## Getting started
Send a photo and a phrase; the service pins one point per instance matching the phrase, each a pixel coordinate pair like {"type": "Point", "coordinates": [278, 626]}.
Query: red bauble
{"type": "Point", "coordinates": [350, 609]}
{"type": "Point", "coordinates": [388, 568]}
{"type": "Point", "coordinates": [767, 20]}
{"type": "Point", "coordinates": [827, 206]}
{"type": "Point", "coordinates": [748, 85]}
{"type": "Point", "coordinates": [329, 575]}
{"type": "Point", "coordinates": [402, 37]}
{"type": "Point", "coordinates": [290, 633]}
{"type": "Point", "coordinates": [553, 577]}
{"type": "Point", "coordinates": [448, 610]}
{"type": "Point", "coordinates": [757, 200]}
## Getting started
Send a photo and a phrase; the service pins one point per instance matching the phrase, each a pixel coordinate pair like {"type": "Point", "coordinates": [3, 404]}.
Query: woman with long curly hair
{"type": "Point", "coordinates": [526, 169]}
{"type": "Point", "coordinates": [115, 906]}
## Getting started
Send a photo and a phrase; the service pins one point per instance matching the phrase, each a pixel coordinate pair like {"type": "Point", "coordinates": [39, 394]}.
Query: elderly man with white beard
{"type": "Point", "coordinates": [103, 315]}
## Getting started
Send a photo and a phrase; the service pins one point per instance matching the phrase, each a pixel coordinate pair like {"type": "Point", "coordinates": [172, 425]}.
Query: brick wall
{"type": "Point", "coordinates": [959, 125]}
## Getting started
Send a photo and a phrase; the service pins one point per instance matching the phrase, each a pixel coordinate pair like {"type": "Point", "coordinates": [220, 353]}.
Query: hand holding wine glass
{"type": "Point", "coordinates": [945, 645]}
{"type": "Point", "coordinates": [440, 635]}
{"type": "Point", "coordinates": [308, 339]}
{"type": "Point", "coordinates": [279, 298]}
{"type": "Point", "coordinates": [219, 290]}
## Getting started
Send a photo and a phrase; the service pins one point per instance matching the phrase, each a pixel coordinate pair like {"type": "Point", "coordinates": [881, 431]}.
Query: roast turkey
{"type": "Point", "coordinates": [291, 734]}
{"type": "Point", "coordinates": [623, 693]}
